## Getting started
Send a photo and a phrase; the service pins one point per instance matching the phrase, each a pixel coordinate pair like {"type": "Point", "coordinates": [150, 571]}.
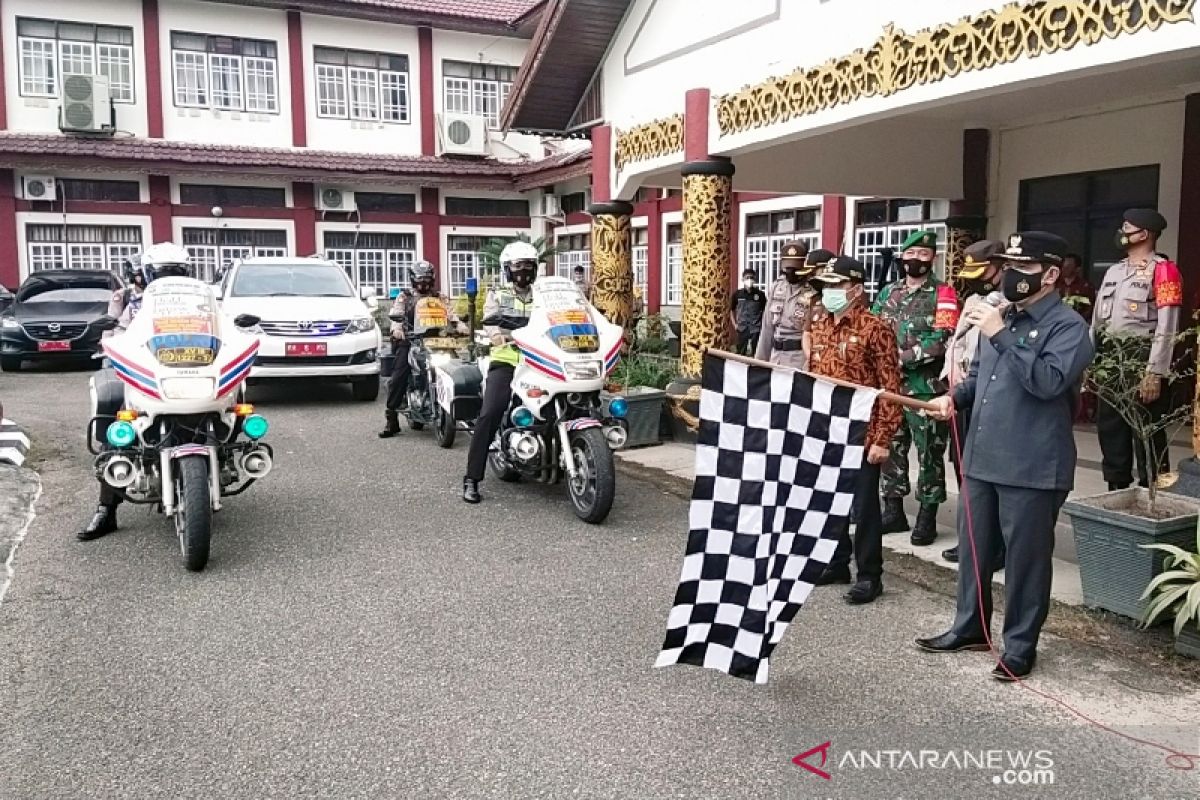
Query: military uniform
{"type": "Point", "coordinates": [1141, 298]}
{"type": "Point", "coordinates": [790, 307]}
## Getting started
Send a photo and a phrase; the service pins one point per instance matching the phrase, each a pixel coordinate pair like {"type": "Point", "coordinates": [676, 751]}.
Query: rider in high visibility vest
{"type": "Point", "coordinates": [506, 309]}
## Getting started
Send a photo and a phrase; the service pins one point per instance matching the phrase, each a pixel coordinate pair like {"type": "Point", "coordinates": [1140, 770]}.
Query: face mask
{"type": "Point", "coordinates": [916, 268]}
{"type": "Point", "coordinates": [836, 300]}
{"type": "Point", "coordinates": [981, 286]}
{"type": "Point", "coordinates": [522, 279]}
{"type": "Point", "coordinates": [424, 288]}
{"type": "Point", "coordinates": [1020, 285]}
{"type": "Point", "coordinates": [748, 283]}
{"type": "Point", "coordinates": [1122, 240]}
{"type": "Point", "coordinates": [791, 276]}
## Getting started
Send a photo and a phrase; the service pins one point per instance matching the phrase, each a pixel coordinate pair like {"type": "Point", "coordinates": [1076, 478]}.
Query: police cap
{"type": "Point", "coordinates": [1147, 219]}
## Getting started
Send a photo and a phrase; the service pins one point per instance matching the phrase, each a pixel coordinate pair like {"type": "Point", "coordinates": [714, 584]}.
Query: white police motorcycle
{"type": "Point", "coordinates": [557, 425]}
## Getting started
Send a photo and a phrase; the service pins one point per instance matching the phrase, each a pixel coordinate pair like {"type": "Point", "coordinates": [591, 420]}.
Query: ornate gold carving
{"type": "Point", "coordinates": [612, 270]}
{"type": "Point", "coordinates": [707, 202]}
{"type": "Point", "coordinates": [899, 60]}
{"type": "Point", "coordinates": [958, 240]}
{"type": "Point", "coordinates": [655, 139]}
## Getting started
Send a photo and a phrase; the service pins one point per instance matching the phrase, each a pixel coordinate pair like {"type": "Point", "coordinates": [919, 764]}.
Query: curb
{"type": "Point", "coordinates": [14, 444]}
{"type": "Point", "coordinates": [20, 490]}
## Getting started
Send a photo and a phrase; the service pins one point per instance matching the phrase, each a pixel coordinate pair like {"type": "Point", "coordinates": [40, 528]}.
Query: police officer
{"type": "Point", "coordinates": [506, 309]}
{"type": "Point", "coordinates": [1141, 295]}
{"type": "Point", "coordinates": [749, 303]}
{"type": "Point", "coordinates": [923, 311]}
{"type": "Point", "coordinates": [790, 306]}
{"type": "Point", "coordinates": [124, 303]}
{"type": "Point", "coordinates": [1025, 377]}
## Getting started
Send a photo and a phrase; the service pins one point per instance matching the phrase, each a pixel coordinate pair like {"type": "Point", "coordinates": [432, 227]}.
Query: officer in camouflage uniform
{"type": "Point", "coordinates": [790, 306]}
{"type": "Point", "coordinates": [924, 312]}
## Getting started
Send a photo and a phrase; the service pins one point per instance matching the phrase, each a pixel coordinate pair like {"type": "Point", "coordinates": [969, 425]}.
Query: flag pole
{"type": "Point", "coordinates": [899, 400]}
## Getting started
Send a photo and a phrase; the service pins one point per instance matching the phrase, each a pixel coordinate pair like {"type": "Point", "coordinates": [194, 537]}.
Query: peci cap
{"type": "Point", "coordinates": [920, 239]}
{"type": "Point", "coordinates": [1147, 219]}
{"type": "Point", "coordinates": [1034, 247]}
{"type": "Point", "coordinates": [843, 268]}
{"type": "Point", "coordinates": [977, 256]}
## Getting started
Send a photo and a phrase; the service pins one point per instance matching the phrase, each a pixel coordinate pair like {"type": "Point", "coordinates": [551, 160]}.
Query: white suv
{"type": "Point", "coordinates": [313, 325]}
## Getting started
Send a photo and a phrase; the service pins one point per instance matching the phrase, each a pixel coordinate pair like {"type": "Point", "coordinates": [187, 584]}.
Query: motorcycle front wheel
{"type": "Point", "coordinates": [595, 482]}
{"type": "Point", "coordinates": [444, 426]}
{"type": "Point", "coordinates": [193, 510]}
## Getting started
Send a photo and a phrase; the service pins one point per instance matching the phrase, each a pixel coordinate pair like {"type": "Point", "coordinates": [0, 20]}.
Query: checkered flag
{"type": "Point", "coordinates": [776, 462]}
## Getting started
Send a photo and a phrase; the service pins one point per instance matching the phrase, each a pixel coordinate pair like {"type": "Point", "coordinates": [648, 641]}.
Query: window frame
{"type": "Point", "coordinates": [483, 84]}
{"type": "Point", "coordinates": [341, 76]}
{"type": "Point", "coordinates": [110, 244]}
{"type": "Point", "coordinates": [245, 54]}
{"type": "Point", "coordinates": [396, 254]}
{"type": "Point", "coordinates": [123, 92]}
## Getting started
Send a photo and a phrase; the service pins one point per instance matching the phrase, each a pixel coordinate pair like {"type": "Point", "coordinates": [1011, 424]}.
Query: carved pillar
{"type": "Point", "coordinates": [961, 233]}
{"type": "Point", "coordinates": [612, 263]}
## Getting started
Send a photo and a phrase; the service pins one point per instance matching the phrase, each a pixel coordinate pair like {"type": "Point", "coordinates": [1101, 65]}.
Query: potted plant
{"type": "Point", "coordinates": [1113, 529]}
{"type": "Point", "coordinates": [1177, 590]}
{"type": "Point", "coordinates": [640, 378]}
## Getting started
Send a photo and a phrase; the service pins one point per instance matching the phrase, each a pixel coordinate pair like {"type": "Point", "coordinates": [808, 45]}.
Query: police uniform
{"type": "Point", "coordinates": [790, 307]}
{"type": "Point", "coordinates": [1141, 298]}
{"type": "Point", "coordinates": [1025, 378]}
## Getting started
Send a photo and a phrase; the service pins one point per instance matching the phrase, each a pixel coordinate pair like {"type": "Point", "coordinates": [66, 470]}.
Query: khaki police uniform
{"type": "Point", "coordinates": [791, 307]}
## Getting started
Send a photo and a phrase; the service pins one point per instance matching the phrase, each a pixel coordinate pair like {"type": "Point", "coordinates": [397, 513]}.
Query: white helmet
{"type": "Point", "coordinates": [166, 259]}
{"type": "Point", "coordinates": [521, 255]}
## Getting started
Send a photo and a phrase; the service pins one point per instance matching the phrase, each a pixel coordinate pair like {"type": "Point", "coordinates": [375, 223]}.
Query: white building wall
{"type": "Point", "coordinates": [225, 127]}
{"type": "Point", "coordinates": [41, 114]}
{"type": "Point", "coordinates": [25, 218]}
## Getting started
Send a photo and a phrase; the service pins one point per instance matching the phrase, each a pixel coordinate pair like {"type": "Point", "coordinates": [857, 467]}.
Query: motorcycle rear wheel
{"type": "Point", "coordinates": [193, 511]}
{"type": "Point", "coordinates": [595, 485]}
{"type": "Point", "coordinates": [444, 427]}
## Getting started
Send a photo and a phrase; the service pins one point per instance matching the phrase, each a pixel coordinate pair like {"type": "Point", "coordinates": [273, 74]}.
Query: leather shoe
{"type": "Point", "coordinates": [952, 643]}
{"type": "Point", "coordinates": [863, 592]}
{"type": "Point", "coordinates": [951, 554]}
{"type": "Point", "coordinates": [103, 522]}
{"type": "Point", "coordinates": [471, 491]}
{"type": "Point", "coordinates": [833, 575]}
{"type": "Point", "coordinates": [1013, 668]}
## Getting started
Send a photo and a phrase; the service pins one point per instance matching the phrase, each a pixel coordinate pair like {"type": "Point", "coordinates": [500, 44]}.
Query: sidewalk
{"type": "Point", "coordinates": [678, 461]}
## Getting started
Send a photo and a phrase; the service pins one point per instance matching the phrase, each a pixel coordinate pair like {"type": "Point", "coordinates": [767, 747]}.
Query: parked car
{"type": "Point", "coordinates": [314, 324]}
{"type": "Point", "coordinates": [50, 319]}
{"type": "Point", "coordinates": [6, 298]}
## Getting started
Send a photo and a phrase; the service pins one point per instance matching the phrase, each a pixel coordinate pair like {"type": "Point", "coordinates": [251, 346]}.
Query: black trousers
{"type": "Point", "coordinates": [747, 342]}
{"type": "Point", "coordinates": [109, 496]}
{"type": "Point", "coordinates": [497, 396]}
{"type": "Point", "coordinates": [397, 393]}
{"type": "Point", "coordinates": [958, 441]}
{"type": "Point", "coordinates": [1119, 449]}
{"type": "Point", "coordinates": [1022, 520]}
{"type": "Point", "coordinates": [868, 536]}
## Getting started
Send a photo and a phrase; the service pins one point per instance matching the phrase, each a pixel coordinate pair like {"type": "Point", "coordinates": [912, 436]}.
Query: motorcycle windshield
{"type": "Point", "coordinates": [184, 327]}
{"type": "Point", "coordinates": [571, 326]}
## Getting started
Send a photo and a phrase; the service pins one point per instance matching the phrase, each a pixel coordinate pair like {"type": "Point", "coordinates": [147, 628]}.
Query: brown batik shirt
{"type": "Point", "coordinates": [860, 348]}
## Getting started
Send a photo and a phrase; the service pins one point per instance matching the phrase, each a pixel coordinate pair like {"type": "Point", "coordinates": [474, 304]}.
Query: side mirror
{"type": "Point", "coordinates": [365, 292]}
{"type": "Point", "coordinates": [246, 320]}
{"type": "Point", "coordinates": [104, 323]}
{"type": "Point", "coordinates": [373, 302]}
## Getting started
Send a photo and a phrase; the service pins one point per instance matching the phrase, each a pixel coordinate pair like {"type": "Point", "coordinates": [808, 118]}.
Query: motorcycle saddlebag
{"type": "Point", "coordinates": [467, 382]}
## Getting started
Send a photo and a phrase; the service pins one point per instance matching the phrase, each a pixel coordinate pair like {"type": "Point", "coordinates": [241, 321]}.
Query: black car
{"type": "Point", "coordinates": [52, 316]}
{"type": "Point", "coordinates": [6, 298]}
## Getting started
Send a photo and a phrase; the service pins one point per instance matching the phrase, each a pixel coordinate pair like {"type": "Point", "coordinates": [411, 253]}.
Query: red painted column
{"type": "Point", "coordinates": [695, 124]}
{"type": "Point", "coordinates": [304, 215]}
{"type": "Point", "coordinates": [152, 46]}
{"type": "Point", "coordinates": [296, 74]}
{"type": "Point", "coordinates": [10, 260]}
{"type": "Point", "coordinates": [654, 258]}
{"type": "Point", "coordinates": [1188, 257]}
{"type": "Point", "coordinates": [160, 209]}
{"type": "Point", "coordinates": [735, 242]}
{"type": "Point", "coordinates": [426, 91]}
{"type": "Point", "coordinates": [3, 88]}
{"type": "Point", "coordinates": [602, 164]}
{"type": "Point", "coordinates": [833, 223]}
{"type": "Point", "coordinates": [431, 230]}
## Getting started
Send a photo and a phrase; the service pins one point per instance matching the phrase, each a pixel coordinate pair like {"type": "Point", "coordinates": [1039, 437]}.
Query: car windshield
{"type": "Point", "coordinates": [66, 288]}
{"type": "Point", "coordinates": [287, 280]}
{"type": "Point", "coordinates": [70, 295]}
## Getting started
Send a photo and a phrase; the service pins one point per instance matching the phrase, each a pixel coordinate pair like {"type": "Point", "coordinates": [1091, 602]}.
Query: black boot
{"type": "Point", "coordinates": [894, 518]}
{"type": "Point", "coordinates": [392, 427]}
{"type": "Point", "coordinates": [925, 530]}
{"type": "Point", "coordinates": [1116, 487]}
{"type": "Point", "coordinates": [951, 555]}
{"type": "Point", "coordinates": [103, 522]}
{"type": "Point", "coordinates": [471, 491]}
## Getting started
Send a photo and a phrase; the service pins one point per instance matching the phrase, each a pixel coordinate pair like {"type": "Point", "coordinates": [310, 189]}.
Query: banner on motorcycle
{"type": "Point", "coordinates": [777, 458]}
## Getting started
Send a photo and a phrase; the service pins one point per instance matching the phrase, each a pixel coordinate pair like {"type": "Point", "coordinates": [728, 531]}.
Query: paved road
{"type": "Point", "coordinates": [360, 633]}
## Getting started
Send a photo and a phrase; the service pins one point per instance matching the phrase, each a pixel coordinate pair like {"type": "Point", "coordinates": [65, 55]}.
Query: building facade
{"type": "Point", "coordinates": [364, 131]}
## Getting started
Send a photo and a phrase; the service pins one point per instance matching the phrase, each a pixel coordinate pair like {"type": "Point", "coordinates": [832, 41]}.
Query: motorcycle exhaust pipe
{"type": "Point", "coordinates": [119, 472]}
{"type": "Point", "coordinates": [257, 463]}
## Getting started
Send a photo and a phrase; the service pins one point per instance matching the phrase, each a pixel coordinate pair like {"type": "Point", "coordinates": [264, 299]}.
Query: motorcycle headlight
{"type": "Point", "coordinates": [583, 370]}
{"type": "Point", "coordinates": [9, 322]}
{"type": "Point", "coordinates": [440, 359]}
{"type": "Point", "coordinates": [360, 325]}
{"type": "Point", "coordinates": [187, 388]}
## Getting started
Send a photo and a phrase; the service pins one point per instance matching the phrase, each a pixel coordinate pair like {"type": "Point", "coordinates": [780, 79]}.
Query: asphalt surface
{"type": "Point", "coordinates": [362, 633]}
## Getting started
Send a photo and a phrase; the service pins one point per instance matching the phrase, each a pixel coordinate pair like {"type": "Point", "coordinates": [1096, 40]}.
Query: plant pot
{"type": "Point", "coordinates": [645, 411]}
{"type": "Point", "coordinates": [1188, 642]}
{"type": "Point", "coordinates": [1114, 568]}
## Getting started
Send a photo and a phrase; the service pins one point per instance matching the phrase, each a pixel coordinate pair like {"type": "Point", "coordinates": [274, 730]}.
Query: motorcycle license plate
{"type": "Point", "coordinates": [53, 347]}
{"type": "Point", "coordinates": [306, 349]}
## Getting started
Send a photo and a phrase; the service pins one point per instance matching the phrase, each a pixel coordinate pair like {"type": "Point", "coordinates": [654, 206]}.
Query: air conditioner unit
{"type": "Point", "coordinates": [87, 105]}
{"type": "Point", "coordinates": [331, 198]}
{"type": "Point", "coordinates": [39, 187]}
{"type": "Point", "coordinates": [551, 205]}
{"type": "Point", "coordinates": [462, 135]}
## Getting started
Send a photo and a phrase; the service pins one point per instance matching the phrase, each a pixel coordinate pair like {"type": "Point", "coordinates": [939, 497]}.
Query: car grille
{"type": "Point", "coordinates": [304, 329]}
{"type": "Point", "coordinates": [55, 331]}
{"type": "Point", "coordinates": [303, 361]}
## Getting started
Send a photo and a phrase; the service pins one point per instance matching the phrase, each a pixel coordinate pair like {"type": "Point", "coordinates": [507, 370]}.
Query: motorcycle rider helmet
{"type": "Point", "coordinates": [166, 260]}
{"type": "Point", "coordinates": [519, 261]}
{"type": "Point", "coordinates": [422, 277]}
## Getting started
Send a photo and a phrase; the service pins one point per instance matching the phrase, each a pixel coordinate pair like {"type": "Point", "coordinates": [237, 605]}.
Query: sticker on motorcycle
{"type": "Point", "coordinates": [575, 316]}
{"type": "Point", "coordinates": [183, 324]}
{"type": "Point", "coordinates": [430, 312]}
{"type": "Point", "coordinates": [582, 424]}
{"type": "Point", "coordinates": [186, 356]}
{"type": "Point", "coordinates": [576, 338]}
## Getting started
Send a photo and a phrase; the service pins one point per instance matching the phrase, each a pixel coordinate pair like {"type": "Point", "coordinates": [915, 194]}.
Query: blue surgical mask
{"type": "Point", "coordinates": [836, 300]}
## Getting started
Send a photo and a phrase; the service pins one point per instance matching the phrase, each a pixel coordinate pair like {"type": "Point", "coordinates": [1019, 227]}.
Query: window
{"type": "Point", "coordinates": [464, 261]}
{"type": "Point", "coordinates": [673, 288]}
{"type": "Point", "coordinates": [213, 249]}
{"type": "Point", "coordinates": [51, 50]}
{"type": "Point", "coordinates": [573, 203]}
{"type": "Point", "coordinates": [110, 191]}
{"type": "Point", "coordinates": [1086, 209]}
{"type": "Point", "coordinates": [486, 207]}
{"type": "Point", "coordinates": [479, 89]}
{"type": "Point", "coordinates": [357, 85]}
{"type": "Point", "coordinates": [81, 246]}
{"type": "Point", "coordinates": [886, 223]}
{"type": "Point", "coordinates": [380, 261]}
{"type": "Point", "coordinates": [194, 194]}
{"type": "Point", "coordinates": [574, 250]}
{"type": "Point", "coordinates": [384, 201]}
{"type": "Point", "coordinates": [225, 73]}
{"type": "Point", "coordinates": [641, 260]}
{"type": "Point", "coordinates": [766, 234]}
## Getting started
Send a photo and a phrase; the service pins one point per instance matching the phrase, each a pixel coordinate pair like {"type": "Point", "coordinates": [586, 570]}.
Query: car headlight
{"type": "Point", "coordinates": [9, 322]}
{"type": "Point", "coordinates": [361, 325]}
{"type": "Point", "coordinates": [582, 370]}
{"type": "Point", "coordinates": [187, 388]}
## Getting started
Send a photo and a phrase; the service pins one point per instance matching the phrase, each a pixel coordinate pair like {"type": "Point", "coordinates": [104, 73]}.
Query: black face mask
{"type": "Point", "coordinates": [792, 276]}
{"type": "Point", "coordinates": [1019, 286]}
{"type": "Point", "coordinates": [915, 268]}
{"type": "Point", "coordinates": [981, 286]}
{"type": "Point", "coordinates": [423, 288]}
{"type": "Point", "coordinates": [522, 279]}
{"type": "Point", "coordinates": [1121, 239]}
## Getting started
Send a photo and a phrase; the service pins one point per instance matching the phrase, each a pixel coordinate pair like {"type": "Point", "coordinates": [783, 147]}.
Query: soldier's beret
{"type": "Point", "coordinates": [1147, 219]}
{"type": "Point", "coordinates": [920, 239]}
{"type": "Point", "coordinates": [977, 256]}
{"type": "Point", "coordinates": [794, 251]}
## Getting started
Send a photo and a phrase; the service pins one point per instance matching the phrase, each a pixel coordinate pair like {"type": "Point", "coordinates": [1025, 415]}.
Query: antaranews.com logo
{"type": "Point", "coordinates": [1002, 766]}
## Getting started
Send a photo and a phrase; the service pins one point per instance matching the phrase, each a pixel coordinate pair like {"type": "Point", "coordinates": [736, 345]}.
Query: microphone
{"type": "Point", "coordinates": [995, 300]}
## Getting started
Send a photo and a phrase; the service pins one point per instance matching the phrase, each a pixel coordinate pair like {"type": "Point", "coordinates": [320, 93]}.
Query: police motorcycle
{"type": "Point", "coordinates": [556, 425]}
{"type": "Point", "coordinates": [169, 419]}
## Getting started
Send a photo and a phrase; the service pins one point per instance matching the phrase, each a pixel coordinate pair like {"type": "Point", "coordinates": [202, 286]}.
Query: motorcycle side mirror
{"type": "Point", "coordinates": [246, 320]}
{"type": "Point", "coordinates": [104, 323]}
{"type": "Point", "coordinates": [396, 318]}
